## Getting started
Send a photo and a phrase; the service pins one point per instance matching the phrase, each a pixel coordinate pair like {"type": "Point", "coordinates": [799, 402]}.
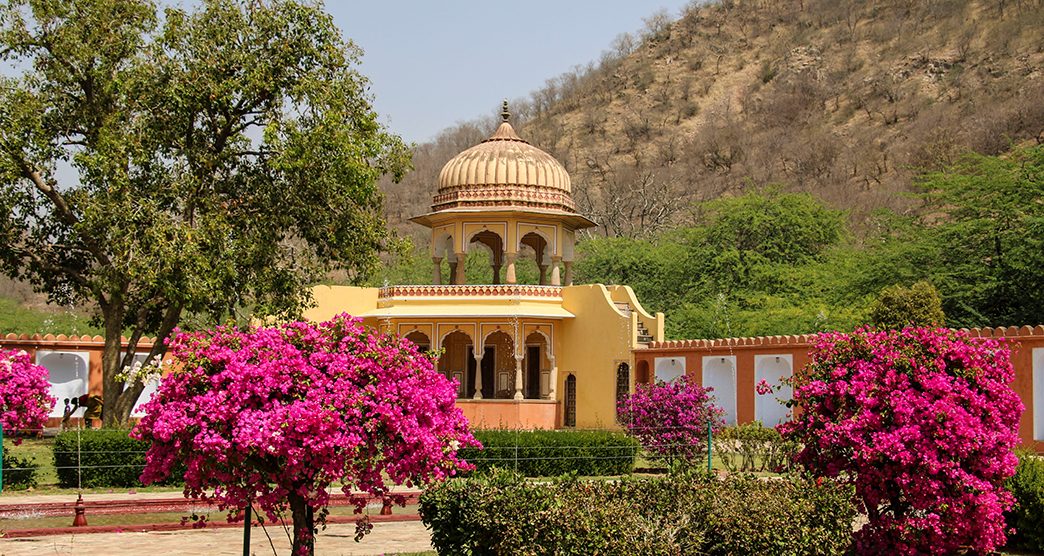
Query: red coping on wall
{"type": "Point", "coordinates": [800, 339]}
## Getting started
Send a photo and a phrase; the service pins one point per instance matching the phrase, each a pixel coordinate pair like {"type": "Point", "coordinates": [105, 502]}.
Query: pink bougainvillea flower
{"type": "Point", "coordinates": [923, 422]}
{"type": "Point", "coordinates": [25, 400]}
{"type": "Point", "coordinates": [273, 416]}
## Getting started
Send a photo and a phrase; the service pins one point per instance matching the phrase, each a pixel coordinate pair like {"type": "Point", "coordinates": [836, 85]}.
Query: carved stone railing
{"type": "Point", "coordinates": [472, 290]}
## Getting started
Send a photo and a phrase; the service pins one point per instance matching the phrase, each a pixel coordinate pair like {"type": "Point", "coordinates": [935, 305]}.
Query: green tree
{"type": "Point", "coordinates": [979, 239]}
{"type": "Point", "coordinates": [985, 216]}
{"type": "Point", "coordinates": [898, 307]}
{"type": "Point", "coordinates": [191, 163]}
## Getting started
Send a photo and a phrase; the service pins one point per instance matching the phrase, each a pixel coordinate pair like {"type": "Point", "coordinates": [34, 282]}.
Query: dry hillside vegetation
{"type": "Point", "coordinates": [845, 99]}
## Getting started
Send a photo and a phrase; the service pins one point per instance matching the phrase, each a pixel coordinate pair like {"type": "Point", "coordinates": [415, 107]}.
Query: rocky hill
{"type": "Point", "coordinates": [846, 99]}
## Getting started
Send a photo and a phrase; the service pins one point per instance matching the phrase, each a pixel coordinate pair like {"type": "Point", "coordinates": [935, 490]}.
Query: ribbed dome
{"type": "Point", "coordinates": [504, 159]}
{"type": "Point", "coordinates": [504, 171]}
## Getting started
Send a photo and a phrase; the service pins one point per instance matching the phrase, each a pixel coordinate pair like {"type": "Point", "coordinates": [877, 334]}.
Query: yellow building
{"type": "Point", "coordinates": [553, 354]}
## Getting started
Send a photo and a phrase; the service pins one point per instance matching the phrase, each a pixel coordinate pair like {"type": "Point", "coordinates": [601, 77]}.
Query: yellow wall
{"type": "Point", "coordinates": [589, 346]}
{"type": "Point", "coordinates": [593, 344]}
{"type": "Point", "coordinates": [334, 300]}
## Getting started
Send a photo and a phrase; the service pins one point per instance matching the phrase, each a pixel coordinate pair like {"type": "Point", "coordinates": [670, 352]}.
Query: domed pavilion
{"type": "Point", "coordinates": [553, 354]}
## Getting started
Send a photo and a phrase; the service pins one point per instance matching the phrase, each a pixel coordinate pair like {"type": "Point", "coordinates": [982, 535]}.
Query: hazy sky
{"type": "Point", "coordinates": [433, 64]}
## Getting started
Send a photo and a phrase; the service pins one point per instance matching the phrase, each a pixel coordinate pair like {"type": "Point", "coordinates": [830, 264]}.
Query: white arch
{"type": "Point", "coordinates": [471, 236]}
{"type": "Point", "coordinates": [719, 373]}
{"type": "Point", "coordinates": [547, 240]}
{"type": "Point", "coordinates": [442, 339]}
{"type": "Point", "coordinates": [547, 340]}
{"type": "Point", "coordinates": [669, 368]}
{"type": "Point", "coordinates": [772, 369]}
{"type": "Point", "coordinates": [67, 373]}
{"type": "Point", "coordinates": [442, 246]}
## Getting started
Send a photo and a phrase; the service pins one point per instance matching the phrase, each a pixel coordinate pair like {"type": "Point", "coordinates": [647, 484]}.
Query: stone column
{"type": "Point", "coordinates": [556, 277]}
{"type": "Point", "coordinates": [518, 378]}
{"type": "Point", "coordinates": [496, 274]}
{"type": "Point", "coordinates": [459, 278]}
{"type": "Point", "coordinates": [569, 273]}
{"type": "Point", "coordinates": [509, 276]}
{"type": "Point", "coordinates": [552, 387]}
{"type": "Point", "coordinates": [543, 274]}
{"type": "Point", "coordinates": [437, 274]}
{"type": "Point", "coordinates": [478, 375]}
{"type": "Point", "coordinates": [453, 271]}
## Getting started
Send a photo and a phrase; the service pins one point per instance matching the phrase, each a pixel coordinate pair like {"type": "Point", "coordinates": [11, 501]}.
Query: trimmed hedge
{"type": "Point", "coordinates": [550, 453]}
{"type": "Point", "coordinates": [109, 458]}
{"type": "Point", "coordinates": [19, 472]}
{"type": "Point", "coordinates": [683, 513]}
{"type": "Point", "coordinates": [1027, 517]}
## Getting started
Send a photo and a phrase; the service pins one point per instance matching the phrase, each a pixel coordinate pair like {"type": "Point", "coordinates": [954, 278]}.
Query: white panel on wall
{"type": "Point", "coordinates": [150, 388]}
{"type": "Point", "coordinates": [719, 373]}
{"type": "Point", "coordinates": [669, 368]}
{"type": "Point", "coordinates": [768, 408]}
{"type": "Point", "coordinates": [1038, 394]}
{"type": "Point", "coordinates": [67, 373]}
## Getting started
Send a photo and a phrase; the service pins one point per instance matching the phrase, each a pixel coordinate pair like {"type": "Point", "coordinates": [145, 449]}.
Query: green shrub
{"type": "Point", "coordinates": [752, 447]}
{"type": "Point", "coordinates": [1027, 517]}
{"type": "Point", "coordinates": [549, 453]}
{"type": "Point", "coordinates": [683, 513]}
{"type": "Point", "coordinates": [898, 307]}
{"type": "Point", "coordinates": [107, 458]}
{"type": "Point", "coordinates": [19, 472]}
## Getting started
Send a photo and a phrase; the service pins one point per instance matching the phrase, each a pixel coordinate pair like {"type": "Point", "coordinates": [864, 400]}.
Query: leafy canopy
{"type": "Point", "coordinates": [191, 162]}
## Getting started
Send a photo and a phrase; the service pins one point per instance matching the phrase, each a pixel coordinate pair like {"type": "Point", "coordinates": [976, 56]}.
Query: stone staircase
{"type": "Point", "coordinates": [643, 333]}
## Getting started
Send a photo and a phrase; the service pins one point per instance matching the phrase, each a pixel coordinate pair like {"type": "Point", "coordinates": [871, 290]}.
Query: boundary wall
{"type": "Point", "coordinates": [733, 366]}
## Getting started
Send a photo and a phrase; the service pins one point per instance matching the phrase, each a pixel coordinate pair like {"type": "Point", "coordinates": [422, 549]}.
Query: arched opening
{"type": "Point", "coordinates": [455, 359]}
{"type": "Point", "coordinates": [442, 250]}
{"type": "Point", "coordinates": [536, 367]}
{"type": "Point", "coordinates": [719, 373]}
{"type": "Point", "coordinates": [642, 373]}
{"type": "Point", "coordinates": [623, 384]}
{"type": "Point", "coordinates": [570, 401]}
{"type": "Point", "coordinates": [487, 272]}
{"type": "Point", "coordinates": [498, 366]}
{"type": "Point", "coordinates": [534, 246]}
{"type": "Point", "coordinates": [420, 340]}
{"type": "Point", "coordinates": [772, 369]}
{"type": "Point", "coordinates": [67, 373]}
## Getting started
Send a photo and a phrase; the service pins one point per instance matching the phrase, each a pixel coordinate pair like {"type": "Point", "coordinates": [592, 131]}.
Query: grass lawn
{"type": "Point", "coordinates": [41, 450]}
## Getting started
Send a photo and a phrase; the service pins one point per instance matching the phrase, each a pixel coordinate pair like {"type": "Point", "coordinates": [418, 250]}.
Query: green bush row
{"type": "Point", "coordinates": [19, 472]}
{"type": "Point", "coordinates": [1027, 518]}
{"type": "Point", "coordinates": [549, 453]}
{"type": "Point", "coordinates": [682, 513]}
{"type": "Point", "coordinates": [98, 458]}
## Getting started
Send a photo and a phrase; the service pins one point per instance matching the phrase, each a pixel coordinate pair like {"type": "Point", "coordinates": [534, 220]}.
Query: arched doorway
{"type": "Point", "coordinates": [456, 356]}
{"type": "Point", "coordinates": [536, 367]}
{"type": "Point", "coordinates": [623, 385]}
{"type": "Point", "coordinates": [570, 401]}
{"type": "Point", "coordinates": [642, 375]}
{"type": "Point", "coordinates": [420, 339]}
{"type": "Point", "coordinates": [497, 365]}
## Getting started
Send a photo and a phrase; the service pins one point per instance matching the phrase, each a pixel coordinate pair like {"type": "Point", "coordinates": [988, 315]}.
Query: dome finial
{"type": "Point", "coordinates": [504, 114]}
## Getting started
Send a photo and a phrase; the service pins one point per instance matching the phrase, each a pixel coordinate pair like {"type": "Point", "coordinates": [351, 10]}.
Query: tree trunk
{"type": "Point", "coordinates": [111, 388]}
{"type": "Point", "coordinates": [304, 525]}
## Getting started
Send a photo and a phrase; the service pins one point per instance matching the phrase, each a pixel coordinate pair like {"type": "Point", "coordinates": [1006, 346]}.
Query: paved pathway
{"type": "Point", "coordinates": [336, 540]}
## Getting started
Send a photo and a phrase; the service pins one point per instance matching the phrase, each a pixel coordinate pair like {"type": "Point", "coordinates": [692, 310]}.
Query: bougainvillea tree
{"type": "Point", "coordinates": [273, 417]}
{"type": "Point", "coordinates": [25, 401]}
{"type": "Point", "coordinates": [923, 422]}
{"type": "Point", "coordinates": [670, 419]}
